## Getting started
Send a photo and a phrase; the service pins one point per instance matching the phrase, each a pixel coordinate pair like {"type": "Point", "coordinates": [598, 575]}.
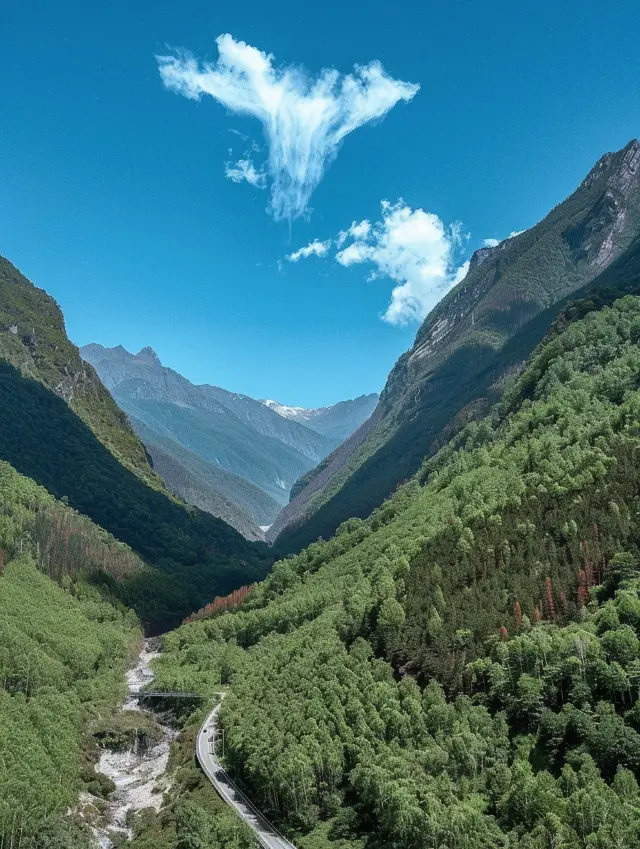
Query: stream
{"type": "Point", "coordinates": [135, 773]}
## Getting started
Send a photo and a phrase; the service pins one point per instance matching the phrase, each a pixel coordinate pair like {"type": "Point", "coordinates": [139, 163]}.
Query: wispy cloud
{"type": "Point", "coordinates": [315, 248]}
{"type": "Point", "coordinates": [244, 169]}
{"type": "Point", "coordinates": [304, 118]}
{"type": "Point", "coordinates": [412, 247]}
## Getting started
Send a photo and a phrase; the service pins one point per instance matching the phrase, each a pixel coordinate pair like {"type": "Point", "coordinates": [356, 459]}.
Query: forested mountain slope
{"type": "Point", "coordinates": [435, 387]}
{"type": "Point", "coordinates": [63, 654]}
{"type": "Point", "coordinates": [34, 340]}
{"type": "Point", "coordinates": [41, 434]}
{"type": "Point", "coordinates": [460, 669]}
{"type": "Point", "coordinates": [192, 551]}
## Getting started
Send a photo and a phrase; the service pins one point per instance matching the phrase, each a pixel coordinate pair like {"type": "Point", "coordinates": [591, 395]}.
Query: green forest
{"type": "Point", "coordinates": [194, 555]}
{"type": "Point", "coordinates": [460, 669]}
{"type": "Point", "coordinates": [63, 654]}
{"type": "Point", "coordinates": [61, 428]}
{"type": "Point", "coordinates": [65, 643]}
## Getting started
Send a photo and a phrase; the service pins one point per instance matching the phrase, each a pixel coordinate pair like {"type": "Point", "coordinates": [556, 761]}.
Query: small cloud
{"type": "Point", "coordinates": [493, 243]}
{"type": "Point", "coordinates": [354, 253]}
{"type": "Point", "coordinates": [244, 169]}
{"type": "Point", "coordinates": [315, 248]}
{"type": "Point", "coordinates": [304, 118]}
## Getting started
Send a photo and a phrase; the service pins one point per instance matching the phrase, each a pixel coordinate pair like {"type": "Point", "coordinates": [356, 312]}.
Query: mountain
{"type": "Point", "coordinates": [142, 376]}
{"type": "Point", "coordinates": [61, 428]}
{"type": "Point", "coordinates": [208, 486]}
{"type": "Point", "coordinates": [338, 421]}
{"type": "Point", "coordinates": [217, 436]}
{"type": "Point", "coordinates": [461, 667]}
{"type": "Point", "coordinates": [34, 340]}
{"type": "Point", "coordinates": [251, 444]}
{"type": "Point", "coordinates": [466, 348]}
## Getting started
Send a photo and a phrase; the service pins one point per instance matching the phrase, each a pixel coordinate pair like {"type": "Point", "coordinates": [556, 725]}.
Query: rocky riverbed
{"type": "Point", "coordinates": [137, 772]}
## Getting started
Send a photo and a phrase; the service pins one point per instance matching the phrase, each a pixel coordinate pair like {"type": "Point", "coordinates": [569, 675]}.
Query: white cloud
{"type": "Point", "coordinates": [244, 169]}
{"type": "Point", "coordinates": [315, 248]}
{"type": "Point", "coordinates": [304, 119]}
{"type": "Point", "coordinates": [411, 247]}
{"type": "Point", "coordinates": [357, 230]}
{"type": "Point", "coordinates": [460, 274]}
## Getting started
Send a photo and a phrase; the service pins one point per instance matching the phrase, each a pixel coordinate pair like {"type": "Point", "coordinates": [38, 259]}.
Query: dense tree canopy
{"type": "Point", "coordinates": [194, 555]}
{"type": "Point", "coordinates": [461, 669]}
{"type": "Point", "coordinates": [62, 661]}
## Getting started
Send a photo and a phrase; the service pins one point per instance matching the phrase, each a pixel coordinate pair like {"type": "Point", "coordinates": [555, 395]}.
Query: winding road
{"type": "Point", "coordinates": [268, 835]}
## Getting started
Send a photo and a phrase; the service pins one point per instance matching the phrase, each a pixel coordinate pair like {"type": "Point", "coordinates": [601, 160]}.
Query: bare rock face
{"type": "Point", "coordinates": [507, 287]}
{"type": "Point", "coordinates": [483, 254]}
{"type": "Point", "coordinates": [625, 172]}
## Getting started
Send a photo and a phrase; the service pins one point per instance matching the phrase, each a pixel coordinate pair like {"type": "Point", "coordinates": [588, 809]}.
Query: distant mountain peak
{"type": "Point", "coordinates": [148, 353]}
{"type": "Point", "coordinates": [285, 410]}
{"type": "Point", "coordinates": [337, 421]}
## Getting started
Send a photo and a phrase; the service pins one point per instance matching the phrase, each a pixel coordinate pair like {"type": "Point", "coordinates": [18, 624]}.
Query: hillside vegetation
{"type": "Point", "coordinates": [64, 648]}
{"type": "Point", "coordinates": [479, 334]}
{"type": "Point", "coordinates": [61, 428]}
{"type": "Point", "coordinates": [62, 662]}
{"type": "Point", "coordinates": [195, 555]}
{"type": "Point", "coordinates": [460, 670]}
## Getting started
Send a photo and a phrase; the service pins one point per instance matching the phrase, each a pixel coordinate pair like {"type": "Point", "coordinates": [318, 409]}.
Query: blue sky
{"type": "Point", "coordinates": [115, 197]}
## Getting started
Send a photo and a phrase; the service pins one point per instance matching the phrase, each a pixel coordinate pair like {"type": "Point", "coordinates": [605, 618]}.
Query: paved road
{"type": "Point", "coordinates": [267, 834]}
